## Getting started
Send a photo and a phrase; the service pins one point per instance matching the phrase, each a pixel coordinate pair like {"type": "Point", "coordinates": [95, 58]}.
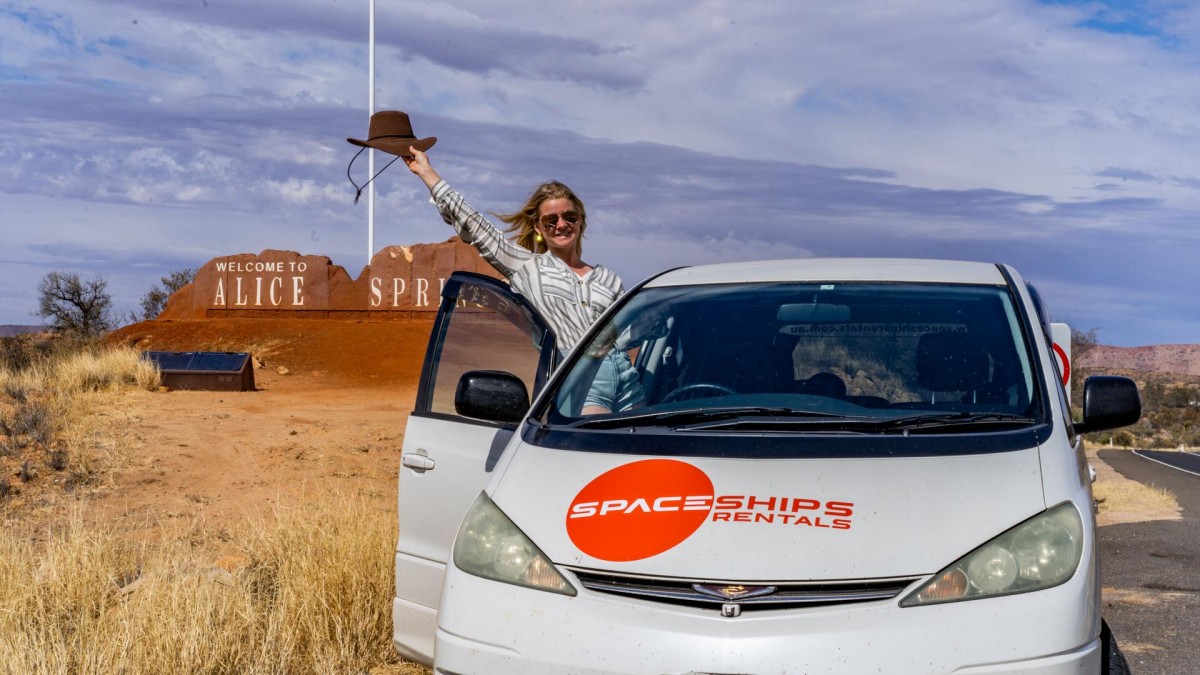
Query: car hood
{"type": "Point", "coordinates": [765, 519]}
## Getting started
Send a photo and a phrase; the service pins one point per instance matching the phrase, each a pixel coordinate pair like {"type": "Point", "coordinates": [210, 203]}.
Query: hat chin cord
{"type": "Point", "coordinates": [359, 191]}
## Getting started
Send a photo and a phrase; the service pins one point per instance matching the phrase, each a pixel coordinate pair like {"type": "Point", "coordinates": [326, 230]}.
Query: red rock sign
{"type": "Point", "coordinates": [400, 282]}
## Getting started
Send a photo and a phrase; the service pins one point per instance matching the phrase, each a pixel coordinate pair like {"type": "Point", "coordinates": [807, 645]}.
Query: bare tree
{"type": "Point", "coordinates": [1082, 342]}
{"type": "Point", "coordinates": [75, 305]}
{"type": "Point", "coordinates": [155, 299]}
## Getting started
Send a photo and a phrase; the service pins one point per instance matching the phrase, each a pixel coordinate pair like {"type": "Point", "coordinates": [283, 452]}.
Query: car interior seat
{"type": "Point", "coordinates": [736, 354]}
{"type": "Point", "coordinates": [823, 384]}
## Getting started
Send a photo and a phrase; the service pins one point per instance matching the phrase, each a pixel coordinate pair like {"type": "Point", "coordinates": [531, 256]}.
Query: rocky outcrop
{"type": "Point", "coordinates": [1176, 359]}
{"type": "Point", "coordinates": [400, 282]}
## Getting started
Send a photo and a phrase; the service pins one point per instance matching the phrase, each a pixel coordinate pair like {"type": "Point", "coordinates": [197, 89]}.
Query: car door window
{"type": "Point", "coordinates": [483, 327]}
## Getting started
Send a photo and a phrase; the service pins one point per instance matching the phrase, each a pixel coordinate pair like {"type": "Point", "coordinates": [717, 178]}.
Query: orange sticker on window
{"type": "Point", "coordinates": [639, 509]}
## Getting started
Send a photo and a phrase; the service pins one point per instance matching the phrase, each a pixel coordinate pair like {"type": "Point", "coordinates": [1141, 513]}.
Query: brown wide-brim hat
{"type": "Point", "coordinates": [391, 132]}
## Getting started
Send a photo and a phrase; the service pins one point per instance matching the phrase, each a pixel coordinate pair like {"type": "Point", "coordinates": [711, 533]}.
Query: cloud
{"type": "Point", "coordinates": [1126, 174]}
{"type": "Point", "coordinates": [1037, 133]}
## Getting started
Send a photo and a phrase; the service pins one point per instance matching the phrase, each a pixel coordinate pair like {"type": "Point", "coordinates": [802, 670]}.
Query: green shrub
{"type": "Point", "coordinates": [1123, 438]}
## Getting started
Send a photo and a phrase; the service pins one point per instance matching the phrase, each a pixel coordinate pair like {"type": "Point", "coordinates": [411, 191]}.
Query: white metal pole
{"type": "Point", "coordinates": [371, 151]}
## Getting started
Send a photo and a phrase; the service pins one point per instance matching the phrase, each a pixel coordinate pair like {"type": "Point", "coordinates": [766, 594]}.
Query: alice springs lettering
{"type": "Point", "coordinates": [267, 291]}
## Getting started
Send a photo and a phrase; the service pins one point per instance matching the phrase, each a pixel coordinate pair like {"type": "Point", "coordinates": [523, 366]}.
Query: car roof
{"type": "Point", "coordinates": [835, 270]}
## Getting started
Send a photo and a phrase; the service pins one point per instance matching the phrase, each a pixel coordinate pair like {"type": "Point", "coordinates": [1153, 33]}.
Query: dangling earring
{"type": "Point", "coordinates": [537, 236]}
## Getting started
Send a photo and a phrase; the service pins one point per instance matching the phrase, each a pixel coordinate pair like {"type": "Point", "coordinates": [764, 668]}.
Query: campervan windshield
{"type": "Point", "coordinates": [862, 357]}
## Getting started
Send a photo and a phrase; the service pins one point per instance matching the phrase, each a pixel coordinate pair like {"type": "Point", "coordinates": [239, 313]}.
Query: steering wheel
{"type": "Point", "coordinates": [696, 386]}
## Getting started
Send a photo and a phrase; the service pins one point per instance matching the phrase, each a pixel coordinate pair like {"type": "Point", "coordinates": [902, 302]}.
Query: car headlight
{"type": "Point", "coordinates": [489, 545]}
{"type": "Point", "coordinates": [1041, 552]}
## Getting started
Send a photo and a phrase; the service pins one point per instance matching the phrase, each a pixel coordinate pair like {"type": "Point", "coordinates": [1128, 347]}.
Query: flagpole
{"type": "Point", "coordinates": [371, 151]}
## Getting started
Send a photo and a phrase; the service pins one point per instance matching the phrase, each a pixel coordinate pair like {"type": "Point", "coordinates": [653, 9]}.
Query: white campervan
{"type": "Point", "coordinates": [828, 466]}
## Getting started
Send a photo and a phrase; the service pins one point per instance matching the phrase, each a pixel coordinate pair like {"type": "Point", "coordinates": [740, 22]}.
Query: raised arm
{"type": "Point", "coordinates": [472, 227]}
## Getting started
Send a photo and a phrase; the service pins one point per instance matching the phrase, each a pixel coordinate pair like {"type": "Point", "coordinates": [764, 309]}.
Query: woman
{"type": "Point", "coordinates": [543, 262]}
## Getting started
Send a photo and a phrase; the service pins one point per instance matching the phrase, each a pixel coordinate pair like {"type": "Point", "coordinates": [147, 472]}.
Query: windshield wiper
{"type": "Point", "coordinates": [695, 416]}
{"type": "Point", "coordinates": [927, 423]}
{"type": "Point", "coordinates": [932, 421]}
{"type": "Point", "coordinates": [776, 418]}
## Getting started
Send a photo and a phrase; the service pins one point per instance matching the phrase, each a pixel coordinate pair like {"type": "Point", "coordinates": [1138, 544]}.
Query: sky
{"type": "Point", "coordinates": [1062, 137]}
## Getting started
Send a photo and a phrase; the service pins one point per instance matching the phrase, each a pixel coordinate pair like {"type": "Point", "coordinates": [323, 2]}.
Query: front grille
{"type": "Point", "coordinates": [786, 595]}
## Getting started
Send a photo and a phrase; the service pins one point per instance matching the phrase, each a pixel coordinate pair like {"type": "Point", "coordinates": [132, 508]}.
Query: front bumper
{"type": "Point", "coordinates": [486, 627]}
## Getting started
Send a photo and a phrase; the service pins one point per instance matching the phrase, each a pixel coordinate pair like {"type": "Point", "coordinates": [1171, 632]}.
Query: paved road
{"type": "Point", "coordinates": [1184, 461]}
{"type": "Point", "coordinates": [1151, 571]}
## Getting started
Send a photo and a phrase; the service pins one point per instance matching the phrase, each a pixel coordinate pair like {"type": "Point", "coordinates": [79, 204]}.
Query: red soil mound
{"type": "Point", "coordinates": [342, 353]}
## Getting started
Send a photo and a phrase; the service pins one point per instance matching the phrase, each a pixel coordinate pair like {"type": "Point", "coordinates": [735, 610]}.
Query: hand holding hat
{"type": "Point", "coordinates": [419, 164]}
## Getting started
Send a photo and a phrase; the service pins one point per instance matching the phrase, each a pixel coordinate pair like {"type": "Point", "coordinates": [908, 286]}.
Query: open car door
{"type": "Point", "coordinates": [446, 457]}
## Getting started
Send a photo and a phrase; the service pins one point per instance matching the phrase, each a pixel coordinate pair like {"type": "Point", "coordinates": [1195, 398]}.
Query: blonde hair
{"type": "Point", "coordinates": [522, 222]}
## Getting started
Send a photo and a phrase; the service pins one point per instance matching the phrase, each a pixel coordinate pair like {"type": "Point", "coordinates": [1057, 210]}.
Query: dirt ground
{"type": "Point", "coordinates": [327, 414]}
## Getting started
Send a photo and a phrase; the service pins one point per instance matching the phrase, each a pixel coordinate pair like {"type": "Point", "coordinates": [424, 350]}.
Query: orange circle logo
{"type": "Point", "coordinates": [639, 509]}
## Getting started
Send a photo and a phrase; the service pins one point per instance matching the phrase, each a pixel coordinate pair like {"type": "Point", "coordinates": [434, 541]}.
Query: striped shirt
{"type": "Point", "coordinates": [570, 303]}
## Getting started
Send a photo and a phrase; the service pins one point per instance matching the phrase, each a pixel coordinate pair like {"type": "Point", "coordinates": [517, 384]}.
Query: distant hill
{"type": "Point", "coordinates": [10, 330]}
{"type": "Point", "coordinates": [1174, 359]}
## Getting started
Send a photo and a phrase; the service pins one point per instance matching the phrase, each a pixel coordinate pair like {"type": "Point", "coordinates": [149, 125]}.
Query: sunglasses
{"type": "Point", "coordinates": [551, 219]}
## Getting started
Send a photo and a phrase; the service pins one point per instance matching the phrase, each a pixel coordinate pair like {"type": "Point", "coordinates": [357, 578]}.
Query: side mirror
{"type": "Point", "coordinates": [491, 395]}
{"type": "Point", "coordinates": [1109, 402]}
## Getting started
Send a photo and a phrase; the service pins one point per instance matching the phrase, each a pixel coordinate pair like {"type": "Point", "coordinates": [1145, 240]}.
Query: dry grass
{"type": "Point", "coordinates": [61, 391]}
{"type": "Point", "coordinates": [1126, 501]}
{"type": "Point", "coordinates": [106, 370]}
{"type": "Point", "coordinates": [55, 409]}
{"type": "Point", "coordinates": [305, 593]}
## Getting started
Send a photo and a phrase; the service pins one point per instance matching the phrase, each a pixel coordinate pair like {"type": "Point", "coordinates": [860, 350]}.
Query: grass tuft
{"type": "Point", "coordinates": [58, 459]}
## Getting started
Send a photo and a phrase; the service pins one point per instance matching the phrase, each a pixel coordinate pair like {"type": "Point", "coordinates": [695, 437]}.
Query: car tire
{"type": "Point", "coordinates": [1112, 661]}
